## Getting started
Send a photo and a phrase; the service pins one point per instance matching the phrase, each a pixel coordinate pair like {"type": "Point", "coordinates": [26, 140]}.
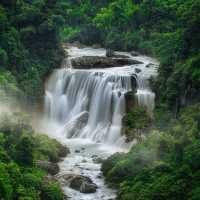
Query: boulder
{"type": "Point", "coordinates": [80, 183]}
{"type": "Point", "coordinates": [89, 62]}
{"type": "Point", "coordinates": [63, 151]}
{"type": "Point", "coordinates": [74, 126]}
{"type": "Point", "coordinates": [51, 168]}
{"type": "Point", "coordinates": [88, 187]}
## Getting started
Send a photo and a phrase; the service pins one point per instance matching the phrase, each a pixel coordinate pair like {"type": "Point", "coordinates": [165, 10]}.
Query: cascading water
{"type": "Point", "coordinates": [145, 96]}
{"type": "Point", "coordinates": [90, 104]}
{"type": "Point", "coordinates": [98, 96]}
{"type": "Point", "coordinates": [94, 99]}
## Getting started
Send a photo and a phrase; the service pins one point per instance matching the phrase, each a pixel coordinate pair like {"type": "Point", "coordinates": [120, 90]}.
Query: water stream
{"type": "Point", "coordinates": [84, 110]}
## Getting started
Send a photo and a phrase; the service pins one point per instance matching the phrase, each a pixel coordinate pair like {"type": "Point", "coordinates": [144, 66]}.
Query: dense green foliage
{"type": "Point", "coordinates": [20, 147]}
{"type": "Point", "coordinates": [135, 123]}
{"type": "Point", "coordinates": [165, 165]}
{"type": "Point", "coordinates": [167, 29]}
{"type": "Point", "coordinates": [30, 35]}
{"type": "Point", "coordinates": [9, 90]}
{"type": "Point", "coordinates": [30, 42]}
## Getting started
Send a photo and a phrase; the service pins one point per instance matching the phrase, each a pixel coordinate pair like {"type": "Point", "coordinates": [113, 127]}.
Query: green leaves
{"type": "Point", "coordinates": [164, 165]}
{"type": "Point", "coordinates": [30, 41]}
{"type": "Point", "coordinates": [19, 148]}
{"type": "Point", "coordinates": [135, 122]}
{"type": "Point", "coordinates": [6, 189]}
{"type": "Point", "coordinates": [3, 58]}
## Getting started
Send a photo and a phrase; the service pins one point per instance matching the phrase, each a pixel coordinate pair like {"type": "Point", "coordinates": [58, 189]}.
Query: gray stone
{"type": "Point", "coordinates": [90, 62]}
{"type": "Point", "coordinates": [80, 183]}
{"type": "Point", "coordinates": [51, 168]}
{"type": "Point", "coordinates": [63, 151]}
{"type": "Point", "coordinates": [74, 126]}
{"type": "Point", "coordinates": [88, 187]}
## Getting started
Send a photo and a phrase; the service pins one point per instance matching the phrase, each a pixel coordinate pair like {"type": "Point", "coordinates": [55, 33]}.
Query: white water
{"type": "Point", "coordinates": [84, 109]}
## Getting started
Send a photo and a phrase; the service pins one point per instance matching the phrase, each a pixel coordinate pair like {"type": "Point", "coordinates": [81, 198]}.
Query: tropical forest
{"type": "Point", "coordinates": [100, 99]}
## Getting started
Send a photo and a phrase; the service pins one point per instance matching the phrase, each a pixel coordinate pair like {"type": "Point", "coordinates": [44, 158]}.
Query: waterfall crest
{"type": "Point", "coordinates": [91, 103]}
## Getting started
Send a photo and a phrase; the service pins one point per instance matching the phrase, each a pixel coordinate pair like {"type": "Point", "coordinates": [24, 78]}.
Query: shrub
{"type": "Point", "coordinates": [51, 191]}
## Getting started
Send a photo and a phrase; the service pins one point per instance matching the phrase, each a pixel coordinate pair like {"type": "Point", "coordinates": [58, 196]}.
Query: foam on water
{"type": "Point", "coordinates": [84, 110]}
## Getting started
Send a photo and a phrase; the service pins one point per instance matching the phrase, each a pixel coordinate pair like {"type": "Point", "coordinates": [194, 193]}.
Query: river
{"type": "Point", "coordinates": [84, 110]}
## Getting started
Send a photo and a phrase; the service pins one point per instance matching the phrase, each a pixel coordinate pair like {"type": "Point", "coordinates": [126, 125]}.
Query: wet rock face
{"type": "Point", "coordinates": [130, 100]}
{"type": "Point", "coordinates": [76, 125]}
{"type": "Point", "coordinates": [110, 53]}
{"type": "Point", "coordinates": [80, 183]}
{"type": "Point", "coordinates": [63, 151]}
{"type": "Point", "coordinates": [51, 168]}
{"type": "Point", "coordinates": [90, 62]}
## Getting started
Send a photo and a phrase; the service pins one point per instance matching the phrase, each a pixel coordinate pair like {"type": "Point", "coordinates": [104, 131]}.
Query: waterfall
{"type": "Point", "coordinates": [72, 92]}
{"type": "Point", "coordinates": [91, 103]}
{"type": "Point", "coordinates": [144, 94]}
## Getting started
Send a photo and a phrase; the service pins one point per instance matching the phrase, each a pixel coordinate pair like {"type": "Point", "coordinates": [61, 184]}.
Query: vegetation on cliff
{"type": "Point", "coordinates": [136, 123]}
{"type": "Point", "coordinates": [166, 29]}
{"type": "Point", "coordinates": [30, 42]}
{"type": "Point", "coordinates": [164, 165]}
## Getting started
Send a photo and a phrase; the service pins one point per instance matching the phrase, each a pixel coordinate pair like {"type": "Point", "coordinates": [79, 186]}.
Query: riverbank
{"type": "Point", "coordinates": [162, 165]}
{"type": "Point", "coordinates": [84, 162]}
{"type": "Point", "coordinates": [28, 160]}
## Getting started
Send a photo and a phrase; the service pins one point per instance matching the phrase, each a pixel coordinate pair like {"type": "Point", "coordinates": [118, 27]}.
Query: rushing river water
{"type": "Point", "coordinates": [84, 110]}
